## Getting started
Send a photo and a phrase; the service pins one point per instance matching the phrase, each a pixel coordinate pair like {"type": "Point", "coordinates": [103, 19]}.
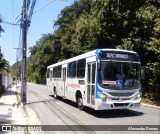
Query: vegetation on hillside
{"type": "Point", "coordinates": [90, 24]}
{"type": "Point", "coordinates": [4, 64]}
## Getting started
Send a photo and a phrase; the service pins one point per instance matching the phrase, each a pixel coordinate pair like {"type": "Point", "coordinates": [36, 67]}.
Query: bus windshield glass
{"type": "Point", "coordinates": [119, 75]}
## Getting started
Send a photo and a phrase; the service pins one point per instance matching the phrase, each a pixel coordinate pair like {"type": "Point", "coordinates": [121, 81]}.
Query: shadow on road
{"type": "Point", "coordinates": [40, 101]}
{"type": "Point", "coordinates": [65, 101]}
{"type": "Point", "coordinates": [5, 121]}
{"type": "Point", "coordinates": [7, 92]}
{"type": "Point", "coordinates": [119, 113]}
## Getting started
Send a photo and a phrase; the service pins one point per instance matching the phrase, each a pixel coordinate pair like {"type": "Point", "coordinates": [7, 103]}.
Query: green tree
{"type": "Point", "coordinates": [4, 66]}
{"type": "Point", "coordinates": [67, 25]}
{"type": "Point", "coordinates": [144, 38]}
{"type": "Point", "coordinates": [16, 69]}
{"type": "Point", "coordinates": [44, 53]}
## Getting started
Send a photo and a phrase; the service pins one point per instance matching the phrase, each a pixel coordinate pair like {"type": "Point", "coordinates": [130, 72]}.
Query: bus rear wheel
{"type": "Point", "coordinates": [80, 103]}
{"type": "Point", "coordinates": [55, 93]}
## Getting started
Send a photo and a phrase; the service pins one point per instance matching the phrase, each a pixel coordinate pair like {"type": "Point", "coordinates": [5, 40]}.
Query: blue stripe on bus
{"type": "Point", "coordinates": [97, 89]}
{"type": "Point", "coordinates": [97, 53]}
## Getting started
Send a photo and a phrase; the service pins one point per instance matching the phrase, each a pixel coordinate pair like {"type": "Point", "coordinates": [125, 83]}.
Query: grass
{"type": "Point", "coordinates": [18, 99]}
{"type": "Point", "coordinates": [19, 103]}
{"type": "Point", "coordinates": [27, 132]}
{"type": "Point", "coordinates": [146, 101]}
{"type": "Point", "coordinates": [151, 97]}
{"type": "Point", "coordinates": [151, 102]}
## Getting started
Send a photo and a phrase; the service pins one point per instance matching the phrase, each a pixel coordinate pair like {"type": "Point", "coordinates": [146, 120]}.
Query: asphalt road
{"type": "Point", "coordinates": [58, 112]}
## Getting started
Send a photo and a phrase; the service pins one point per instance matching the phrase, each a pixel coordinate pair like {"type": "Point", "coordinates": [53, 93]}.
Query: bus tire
{"type": "Point", "coordinates": [80, 103]}
{"type": "Point", "coordinates": [55, 93]}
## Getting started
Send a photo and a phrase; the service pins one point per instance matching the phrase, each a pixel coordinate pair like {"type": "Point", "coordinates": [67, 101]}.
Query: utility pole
{"type": "Point", "coordinates": [24, 27]}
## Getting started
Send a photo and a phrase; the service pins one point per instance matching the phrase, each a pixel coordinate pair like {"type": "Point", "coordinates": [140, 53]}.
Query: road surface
{"type": "Point", "coordinates": [52, 111]}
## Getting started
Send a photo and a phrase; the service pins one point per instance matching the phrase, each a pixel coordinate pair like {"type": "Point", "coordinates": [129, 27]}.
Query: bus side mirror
{"type": "Point", "coordinates": [142, 72]}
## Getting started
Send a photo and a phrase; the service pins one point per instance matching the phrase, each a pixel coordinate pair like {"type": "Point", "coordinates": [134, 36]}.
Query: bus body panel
{"type": "Point", "coordinates": [72, 87]}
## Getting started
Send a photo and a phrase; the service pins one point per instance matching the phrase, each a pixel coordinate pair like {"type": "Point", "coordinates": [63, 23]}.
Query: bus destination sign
{"type": "Point", "coordinates": [116, 55]}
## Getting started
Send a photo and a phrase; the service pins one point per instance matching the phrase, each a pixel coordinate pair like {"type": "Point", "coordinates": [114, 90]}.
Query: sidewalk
{"type": "Point", "coordinates": [10, 112]}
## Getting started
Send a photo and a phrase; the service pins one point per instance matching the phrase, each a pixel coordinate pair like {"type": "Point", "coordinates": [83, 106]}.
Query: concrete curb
{"type": "Point", "coordinates": [31, 118]}
{"type": "Point", "coordinates": [148, 105]}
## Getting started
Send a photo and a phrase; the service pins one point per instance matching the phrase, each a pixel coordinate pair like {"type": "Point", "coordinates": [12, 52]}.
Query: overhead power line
{"type": "Point", "coordinates": [13, 22]}
{"type": "Point", "coordinates": [9, 23]}
{"type": "Point", "coordinates": [31, 10]}
{"type": "Point", "coordinates": [28, 3]}
{"type": "Point", "coordinates": [44, 6]}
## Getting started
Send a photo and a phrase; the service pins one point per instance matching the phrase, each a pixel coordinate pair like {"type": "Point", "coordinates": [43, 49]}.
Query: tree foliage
{"type": "Point", "coordinates": [44, 53]}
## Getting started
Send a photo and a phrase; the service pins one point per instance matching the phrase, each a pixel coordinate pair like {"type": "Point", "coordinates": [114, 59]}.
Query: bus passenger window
{"type": "Point", "coordinates": [93, 73]}
{"type": "Point", "coordinates": [72, 70]}
{"type": "Point", "coordinates": [81, 68]}
{"type": "Point", "coordinates": [88, 77]}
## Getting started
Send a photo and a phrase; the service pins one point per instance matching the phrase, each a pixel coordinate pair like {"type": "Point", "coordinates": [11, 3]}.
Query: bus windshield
{"type": "Point", "coordinates": [119, 75]}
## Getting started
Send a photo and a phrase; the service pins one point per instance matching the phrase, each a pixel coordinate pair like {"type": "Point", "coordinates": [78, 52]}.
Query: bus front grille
{"type": "Point", "coordinates": [121, 94]}
{"type": "Point", "coordinates": [121, 104]}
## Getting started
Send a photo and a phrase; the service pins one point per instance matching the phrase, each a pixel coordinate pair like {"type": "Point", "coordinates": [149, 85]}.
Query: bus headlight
{"type": "Point", "coordinates": [138, 96]}
{"type": "Point", "coordinates": [102, 96]}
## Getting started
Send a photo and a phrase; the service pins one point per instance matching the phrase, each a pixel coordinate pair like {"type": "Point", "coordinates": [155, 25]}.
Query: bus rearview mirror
{"type": "Point", "coordinates": [142, 72]}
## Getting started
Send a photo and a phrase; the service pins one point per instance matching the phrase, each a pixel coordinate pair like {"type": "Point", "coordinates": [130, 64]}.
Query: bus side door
{"type": "Point", "coordinates": [64, 82]}
{"type": "Point", "coordinates": [91, 68]}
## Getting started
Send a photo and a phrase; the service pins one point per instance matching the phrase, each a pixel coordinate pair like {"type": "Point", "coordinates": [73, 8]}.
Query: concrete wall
{"type": "Point", "coordinates": [6, 80]}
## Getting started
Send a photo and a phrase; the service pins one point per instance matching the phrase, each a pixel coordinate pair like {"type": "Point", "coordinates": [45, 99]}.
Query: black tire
{"type": "Point", "coordinates": [80, 103]}
{"type": "Point", "coordinates": [55, 93]}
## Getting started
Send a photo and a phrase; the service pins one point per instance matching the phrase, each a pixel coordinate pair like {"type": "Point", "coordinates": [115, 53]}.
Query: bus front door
{"type": "Point", "coordinates": [49, 81]}
{"type": "Point", "coordinates": [91, 83]}
{"type": "Point", "coordinates": [64, 83]}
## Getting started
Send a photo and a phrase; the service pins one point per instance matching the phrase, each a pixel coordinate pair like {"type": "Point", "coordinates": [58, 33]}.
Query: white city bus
{"type": "Point", "coordinates": [101, 79]}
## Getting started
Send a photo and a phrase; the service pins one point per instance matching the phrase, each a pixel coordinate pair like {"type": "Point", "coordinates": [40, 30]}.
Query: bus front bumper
{"type": "Point", "coordinates": [104, 105]}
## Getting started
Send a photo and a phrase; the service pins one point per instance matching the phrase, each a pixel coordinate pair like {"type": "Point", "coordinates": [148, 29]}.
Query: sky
{"type": "Point", "coordinates": [41, 23]}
